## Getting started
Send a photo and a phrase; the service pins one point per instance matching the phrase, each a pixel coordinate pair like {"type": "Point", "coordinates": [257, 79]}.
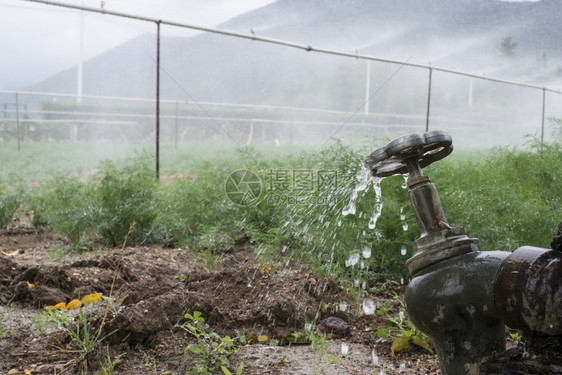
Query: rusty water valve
{"type": "Point", "coordinates": [459, 296]}
{"type": "Point", "coordinates": [408, 154]}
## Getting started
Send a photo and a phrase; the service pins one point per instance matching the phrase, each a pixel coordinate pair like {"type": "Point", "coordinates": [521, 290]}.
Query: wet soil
{"type": "Point", "coordinates": [147, 291]}
{"type": "Point", "coordinates": [241, 293]}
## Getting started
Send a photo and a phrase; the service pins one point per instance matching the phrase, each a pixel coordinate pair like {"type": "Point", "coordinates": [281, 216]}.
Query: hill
{"type": "Point", "coordinates": [458, 34]}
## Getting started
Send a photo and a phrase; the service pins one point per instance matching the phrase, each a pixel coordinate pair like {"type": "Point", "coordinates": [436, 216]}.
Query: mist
{"type": "Point", "coordinates": [216, 89]}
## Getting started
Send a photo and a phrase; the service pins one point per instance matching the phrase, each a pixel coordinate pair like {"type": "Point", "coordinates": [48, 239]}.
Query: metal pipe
{"type": "Point", "coordinates": [18, 121]}
{"type": "Point", "coordinates": [176, 127]}
{"type": "Point", "coordinates": [428, 100]}
{"type": "Point", "coordinates": [543, 111]}
{"type": "Point", "coordinates": [157, 99]}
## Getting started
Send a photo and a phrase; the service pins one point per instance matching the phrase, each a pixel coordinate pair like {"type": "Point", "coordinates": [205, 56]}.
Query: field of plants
{"type": "Point", "coordinates": [221, 221]}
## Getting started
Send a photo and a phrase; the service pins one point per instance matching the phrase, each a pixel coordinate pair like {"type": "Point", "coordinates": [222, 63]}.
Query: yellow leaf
{"type": "Point", "coordinates": [91, 298]}
{"type": "Point", "coordinates": [262, 338]}
{"type": "Point", "coordinates": [74, 304]}
{"type": "Point", "coordinates": [58, 306]}
{"type": "Point", "coordinates": [264, 268]}
{"type": "Point", "coordinates": [323, 307]}
{"type": "Point", "coordinates": [399, 343]}
{"type": "Point", "coordinates": [422, 344]}
{"type": "Point", "coordinates": [29, 285]}
{"type": "Point", "coordinates": [10, 254]}
{"type": "Point", "coordinates": [27, 372]}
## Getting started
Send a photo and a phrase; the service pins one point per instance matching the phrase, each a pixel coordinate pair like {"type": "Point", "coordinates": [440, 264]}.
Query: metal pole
{"type": "Point", "coordinates": [18, 121]}
{"type": "Point", "coordinates": [428, 100]}
{"type": "Point", "coordinates": [176, 127]}
{"type": "Point", "coordinates": [543, 114]}
{"type": "Point", "coordinates": [291, 127]}
{"type": "Point", "coordinates": [368, 88]}
{"type": "Point", "coordinates": [158, 99]}
{"type": "Point", "coordinates": [81, 59]}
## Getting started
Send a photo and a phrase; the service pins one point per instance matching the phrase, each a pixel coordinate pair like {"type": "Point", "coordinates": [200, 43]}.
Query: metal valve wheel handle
{"type": "Point", "coordinates": [409, 153]}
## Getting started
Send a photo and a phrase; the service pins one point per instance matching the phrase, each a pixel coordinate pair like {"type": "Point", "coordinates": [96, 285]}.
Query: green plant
{"type": "Point", "coordinates": [320, 348]}
{"type": "Point", "coordinates": [401, 331]}
{"type": "Point", "coordinates": [114, 305]}
{"type": "Point", "coordinates": [9, 203]}
{"type": "Point", "coordinates": [84, 336]}
{"type": "Point", "coordinates": [211, 351]}
{"type": "Point", "coordinates": [56, 318]}
{"type": "Point", "coordinates": [515, 338]}
{"type": "Point", "coordinates": [59, 252]}
{"type": "Point", "coordinates": [238, 371]}
{"type": "Point", "coordinates": [150, 363]}
{"type": "Point", "coordinates": [127, 196]}
{"type": "Point", "coordinates": [109, 365]}
{"type": "Point", "coordinates": [6, 332]}
{"type": "Point", "coordinates": [38, 321]}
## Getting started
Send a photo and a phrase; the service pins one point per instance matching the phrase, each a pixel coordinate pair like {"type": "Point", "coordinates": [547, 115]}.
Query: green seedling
{"type": "Point", "coordinates": [211, 351]}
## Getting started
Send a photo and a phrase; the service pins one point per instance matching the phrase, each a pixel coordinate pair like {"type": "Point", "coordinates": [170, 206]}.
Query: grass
{"type": "Point", "coordinates": [6, 321]}
{"type": "Point", "coordinates": [507, 198]}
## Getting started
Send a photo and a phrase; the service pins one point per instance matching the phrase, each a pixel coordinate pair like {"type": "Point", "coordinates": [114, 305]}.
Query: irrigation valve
{"type": "Point", "coordinates": [459, 296]}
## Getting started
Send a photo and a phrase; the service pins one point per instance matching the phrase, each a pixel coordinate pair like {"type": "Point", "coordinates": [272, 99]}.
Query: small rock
{"type": "Point", "coordinates": [335, 327]}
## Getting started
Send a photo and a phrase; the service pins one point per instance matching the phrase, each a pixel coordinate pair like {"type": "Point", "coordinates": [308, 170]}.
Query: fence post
{"type": "Point", "coordinates": [543, 114]}
{"type": "Point", "coordinates": [428, 100]}
{"type": "Point", "coordinates": [176, 127]}
{"type": "Point", "coordinates": [368, 88]}
{"type": "Point", "coordinates": [158, 100]}
{"type": "Point", "coordinates": [291, 127]}
{"type": "Point", "coordinates": [18, 120]}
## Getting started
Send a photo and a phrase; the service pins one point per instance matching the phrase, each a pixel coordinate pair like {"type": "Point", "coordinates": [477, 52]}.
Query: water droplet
{"type": "Point", "coordinates": [405, 183]}
{"type": "Point", "coordinates": [369, 306]}
{"type": "Point", "coordinates": [344, 348]}
{"type": "Point", "coordinates": [378, 203]}
{"type": "Point", "coordinates": [375, 357]}
{"type": "Point", "coordinates": [403, 250]}
{"type": "Point", "coordinates": [366, 253]}
{"type": "Point", "coordinates": [405, 226]}
{"type": "Point", "coordinates": [363, 178]}
{"type": "Point", "coordinates": [352, 260]}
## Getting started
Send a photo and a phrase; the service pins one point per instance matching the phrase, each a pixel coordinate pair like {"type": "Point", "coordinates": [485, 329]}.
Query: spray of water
{"type": "Point", "coordinates": [378, 203]}
{"type": "Point", "coordinates": [363, 176]}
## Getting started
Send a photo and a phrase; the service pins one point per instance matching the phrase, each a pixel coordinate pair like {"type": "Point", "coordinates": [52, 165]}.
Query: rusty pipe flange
{"type": "Point", "coordinates": [424, 148]}
{"type": "Point", "coordinates": [528, 290]}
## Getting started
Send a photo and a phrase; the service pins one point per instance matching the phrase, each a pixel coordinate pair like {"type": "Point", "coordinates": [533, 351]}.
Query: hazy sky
{"type": "Point", "coordinates": [39, 40]}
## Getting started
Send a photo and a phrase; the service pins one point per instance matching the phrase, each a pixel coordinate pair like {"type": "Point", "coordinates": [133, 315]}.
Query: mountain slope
{"type": "Point", "coordinates": [463, 34]}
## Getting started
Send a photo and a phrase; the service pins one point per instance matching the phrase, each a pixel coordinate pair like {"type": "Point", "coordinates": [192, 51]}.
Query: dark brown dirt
{"type": "Point", "coordinates": [244, 293]}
